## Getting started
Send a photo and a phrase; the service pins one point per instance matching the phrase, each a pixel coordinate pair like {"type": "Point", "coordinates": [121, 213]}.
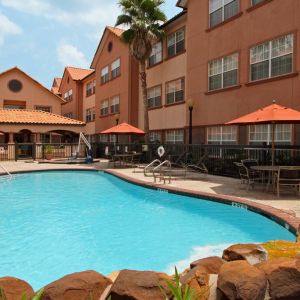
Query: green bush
{"type": "Point", "coordinates": [37, 296]}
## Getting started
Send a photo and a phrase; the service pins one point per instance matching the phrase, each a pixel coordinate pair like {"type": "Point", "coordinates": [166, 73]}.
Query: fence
{"type": "Point", "coordinates": [219, 159]}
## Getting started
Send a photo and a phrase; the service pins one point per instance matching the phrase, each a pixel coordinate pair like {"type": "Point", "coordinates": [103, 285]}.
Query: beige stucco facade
{"type": "Point", "coordinates": [32, 94]}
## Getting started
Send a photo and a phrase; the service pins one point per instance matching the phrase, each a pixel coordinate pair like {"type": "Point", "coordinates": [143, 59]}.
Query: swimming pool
{"type": "Point", "coordinates": [56, 223]}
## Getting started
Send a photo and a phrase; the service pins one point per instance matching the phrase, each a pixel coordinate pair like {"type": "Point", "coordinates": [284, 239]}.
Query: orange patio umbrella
{"type": "Point", "coordinates": [124, 129]}
{"type": "Point", "coordinates": [272, 114]}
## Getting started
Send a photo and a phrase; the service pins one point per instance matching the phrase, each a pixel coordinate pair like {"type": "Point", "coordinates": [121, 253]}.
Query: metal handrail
{"type": "Point", "coordinates": [160, 172]}
{"type": "Point", "coordinates": [6, 171]}
{"type": "Point", "coordinates": [166, 162]}
{"type": "Point", "coordinates": [151, 165]}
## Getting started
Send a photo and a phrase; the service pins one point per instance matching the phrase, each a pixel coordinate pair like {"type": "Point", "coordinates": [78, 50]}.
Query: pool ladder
{"type": "Point", "coordinates": [6, 171]}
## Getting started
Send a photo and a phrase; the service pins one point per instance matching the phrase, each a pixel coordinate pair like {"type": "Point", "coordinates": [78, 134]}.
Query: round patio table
{"type": "Point", "coordinates": [271, 170]}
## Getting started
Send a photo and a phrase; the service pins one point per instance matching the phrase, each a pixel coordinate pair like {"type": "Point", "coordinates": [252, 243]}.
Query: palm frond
{"type": "Point", "coordinates": [123, 20]}
{"type": "Point", "coordinates": [128, 36]}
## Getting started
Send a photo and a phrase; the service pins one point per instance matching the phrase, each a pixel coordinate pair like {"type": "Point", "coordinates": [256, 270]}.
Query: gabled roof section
{"type": "Point", "coordinates": [108, 29]}
{"type": "Point", "coordinates": [27, 116]}
{"type": "Point", "coordinates": [78, 73]}
{"type": "Point", "coordinates": [55, 86]}
{"type": "Point", "coordinates": [182, 3]}
{"type": "Point", "coordinates": [32, 79]}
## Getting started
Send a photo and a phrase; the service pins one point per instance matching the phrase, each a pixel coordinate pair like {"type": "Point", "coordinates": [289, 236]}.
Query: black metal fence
{"type": "Point", "coordinates": [219, 159]}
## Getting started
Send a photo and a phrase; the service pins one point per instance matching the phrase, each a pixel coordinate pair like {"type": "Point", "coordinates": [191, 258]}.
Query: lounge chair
{"type": "Point", "coordinates": [199, 166]}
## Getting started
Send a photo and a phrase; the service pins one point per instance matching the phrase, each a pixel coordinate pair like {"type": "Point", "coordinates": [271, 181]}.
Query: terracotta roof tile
{"type": "Point", "coordinates": [117, 31]}
{"type": "Point", "coordinates": [78, 73]}
{"type": "Point", "coordinates": [21, 116]}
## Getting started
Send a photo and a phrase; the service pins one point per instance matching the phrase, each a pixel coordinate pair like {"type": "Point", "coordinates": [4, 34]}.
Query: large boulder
{"type": "Point", "coordinates": [283, 275]}
{"type": "Point", "coordinates": [238, 280]}
{"type": "Point", "coordinates": [211, 264]}
{"type": "Point", "coordinates": [77, 286]}
{"type": "Point", "coordinates": [252, 253]}
{"type": "Point", "coordinates": [198, 281]}
{"type": "Point", "coordinates": [139, 285]}
{"type": "Point", "coordinates": [276, 249]}
{"type": "Point", "coordinates": [14, 288]}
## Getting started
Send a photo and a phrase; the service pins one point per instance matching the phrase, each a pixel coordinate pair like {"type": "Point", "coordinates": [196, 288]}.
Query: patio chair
{"type": "Point", "coordinates": [288, 176]}
{"type": "Point", "coordinates": [199, 166]}
{"type": "Point", "coordinates": [247, 175]}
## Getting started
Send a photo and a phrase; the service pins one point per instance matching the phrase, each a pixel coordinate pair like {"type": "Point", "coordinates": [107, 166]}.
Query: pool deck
{"type": "Point", "coordinates": [230, 190]}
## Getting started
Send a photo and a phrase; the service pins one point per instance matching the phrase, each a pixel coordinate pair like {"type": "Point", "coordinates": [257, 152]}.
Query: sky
{"type": "Point", "coordinates": [41, 37]}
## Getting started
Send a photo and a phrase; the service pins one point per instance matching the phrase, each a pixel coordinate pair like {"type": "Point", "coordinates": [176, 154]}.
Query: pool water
{"type": "Point", "coordinates": [56, 223]}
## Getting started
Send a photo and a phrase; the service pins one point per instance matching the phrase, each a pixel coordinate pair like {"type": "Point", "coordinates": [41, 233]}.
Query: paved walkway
{"type": "Point", "coordinates": [215, 185]}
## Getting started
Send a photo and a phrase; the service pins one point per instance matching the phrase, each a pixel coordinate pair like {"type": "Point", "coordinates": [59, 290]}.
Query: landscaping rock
{"type": "Point", "coordinates": [212, 264]}
{"type": "Point", "coordinates": [252, 253]}
{"type": "Point", "coordinates": [283, 275]}
{"type": "Point", "coordinates": [198, 280]}
{"type": "Point", "coordinates": [77, 286]}
{"type": "Point", "coordinates": [277, 249]}
{"type": "Point", "coordinates": [238, 280]}
{"type": "Point", "coordinates": [14, 288]}
{"type": "Point", "coordinates": [139, 285]}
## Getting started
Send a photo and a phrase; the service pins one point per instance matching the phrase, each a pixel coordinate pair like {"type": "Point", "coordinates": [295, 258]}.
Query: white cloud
{"type": "Point", "coordinates": [69, 55]}
{"type": "Point", "coordinates": [7, 27]}
{"type": "Point", "coordinates": [93, 13]}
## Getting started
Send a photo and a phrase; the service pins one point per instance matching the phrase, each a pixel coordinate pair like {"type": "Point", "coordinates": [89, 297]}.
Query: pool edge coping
{"type": "Point", "coordinates": [282, 218]}
{"type": "Point", "coordinates": [277, 215]}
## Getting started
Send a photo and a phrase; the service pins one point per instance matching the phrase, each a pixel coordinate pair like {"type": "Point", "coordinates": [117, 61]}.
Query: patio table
{"type": "Point", "coordinates": [271, 170]}
{"type": "Point", "coordinates": [125, 157]}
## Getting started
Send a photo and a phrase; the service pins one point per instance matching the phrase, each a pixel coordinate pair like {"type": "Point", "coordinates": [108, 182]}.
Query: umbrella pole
{"type": "Point", "coordinates": [273, 143]}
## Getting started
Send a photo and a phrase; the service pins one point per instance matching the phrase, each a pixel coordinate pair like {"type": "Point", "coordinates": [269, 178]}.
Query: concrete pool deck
{"type": "Point", "coordinates": [286, 208]}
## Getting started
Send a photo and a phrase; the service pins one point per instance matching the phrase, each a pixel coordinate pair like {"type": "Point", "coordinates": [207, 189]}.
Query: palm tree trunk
{"type": "Point", "coordinates": [143, 77]}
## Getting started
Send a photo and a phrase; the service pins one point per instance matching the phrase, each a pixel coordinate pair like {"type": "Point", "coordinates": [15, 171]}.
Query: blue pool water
{"type": "Point", "coordinates": [56, 223]}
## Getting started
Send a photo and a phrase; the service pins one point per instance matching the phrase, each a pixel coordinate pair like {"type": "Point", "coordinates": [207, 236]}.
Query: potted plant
{"type": "Point", "coordinates": [49, 152]}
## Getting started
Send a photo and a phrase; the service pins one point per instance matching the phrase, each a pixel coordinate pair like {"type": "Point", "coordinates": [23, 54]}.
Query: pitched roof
{"type": "Point", "coordinates": [26, 116]}
{"type": "Point", "coordinates": [32, 79]}
{"type": "Point", "coordinates": [114, 30]}
{"type": "Point", "coordinates": [78, 73]}
{"type": "Point", "coordinates": [57, 81]}
{"type": "Point", "coordinates": [182, 3]}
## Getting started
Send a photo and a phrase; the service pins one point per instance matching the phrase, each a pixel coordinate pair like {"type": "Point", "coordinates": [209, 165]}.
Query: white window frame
{"type": "Point", "coordinates": [173, 40]}
{"type": "Point", "coordinates": [156, 53]}
{"type": "Point", "coordinates": [104, 108]}
{"type": "Point", "coordinates": [213, 132]}
{"type": "Point", "coordinates": [270, 57]}
{"type": "Point", "coordinates": [222, 6]}
{"type": "Point", "coordinates": [223, 71]}
{"type": "Point", "coordinates": [44, 108]}
{"type": "Point", "coordinates": [174, 83]}
{"type": "Point", "coordinates": [256, 129]}
{"type": "Point", "coordinates": [115, 104]}
{"type": "Point", "coordinates": [154, 93]}
{"type": "Point", "coordinates": [155, 136]}
{"type": "Point", "coordinates": [104, 74]}
{"type": "Point", "coordinates": [68, 96]}
{"type": "Point", "coordinates": [172, 136]}
{"type": "Point", "coordinates": [116, 68]}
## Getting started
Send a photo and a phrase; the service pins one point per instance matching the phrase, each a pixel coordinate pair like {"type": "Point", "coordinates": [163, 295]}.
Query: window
{"type": "Point", "coordinates": [223, 72]}
{"type": "Point", "coordinates": [115, 68]}
{"type": "Point", "coordinates": [91, 88]}
{"type": "Point", "coordinates": [255, 2]}
{"type": "Point", "coordinates": [175, 91]}
{"type": "Point", "coordinates": [11, 104]}
{"type": "Point", "coordinates": [104, 75]}
{"type": "Point", "coordinates": [222, 135]}
{"type": "Point", "coordinates": [221, 10]}
{"type": "Point", "coordinates": [176, 43]}
{"type": "Point", "coordinates": [45, 138]}
{"type": "Point", "coordinates": [69, 115]}
{"type": "Point", "coordinates": [156, 54]}
{"type": "Point", "coordinates": [104, 108]}
{"type": "Point", "coordinates": [90, 115]}
{"type": "Point", "coordinates": [262, 134]}
{"type": "Point", "coordinates": [154, 137]}
{"type": "Point", "coordinates": [273, 58]}
{"type": "Point", "coordinates": [175, 136]}
{"type": "Point", "coordinates": [154, 96]}
{"type": "Point", "coordinates": [115, 105]}
{"type": "Point", "coordinates": [103, 138]}
{"type": "Point", "coordinates": [43, 108]}
{"type": "Point", "coordinates": [68, 96]}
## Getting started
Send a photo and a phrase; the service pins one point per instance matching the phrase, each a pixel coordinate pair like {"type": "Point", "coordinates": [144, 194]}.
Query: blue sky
{"type": "Point", "coordinates": [43, 36]}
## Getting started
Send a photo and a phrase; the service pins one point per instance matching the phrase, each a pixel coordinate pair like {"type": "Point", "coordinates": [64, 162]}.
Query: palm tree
{"type": "Point", "coordinates": [143, 19]}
